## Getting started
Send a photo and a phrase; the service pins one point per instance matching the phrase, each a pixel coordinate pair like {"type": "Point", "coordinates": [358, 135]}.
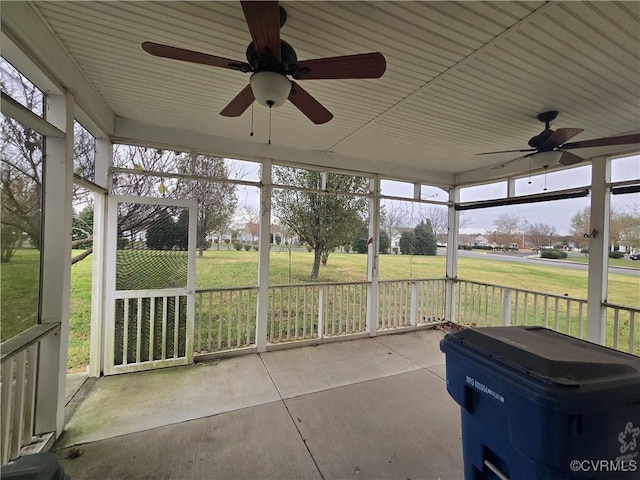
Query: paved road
{"type": "Point", "coordinates": [532, 260]}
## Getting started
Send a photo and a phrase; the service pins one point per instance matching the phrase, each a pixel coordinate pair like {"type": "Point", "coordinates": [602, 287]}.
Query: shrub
{"type": "Point", "coordinates": [255, 247]}
{"type": "Point", "coordinates": [553, 254]}
{"type": "Point", "coordinates": [617, 254]}
{"type": "Point", "coordinates": [347, 248]}
{"type": "Point", "coordinates": [584, 250]}
{"type": "Point", "coordinates": [247, 247]}
{"type": "Point", "coordinates": [395, 250]}
{"type": "Point", "coordinates": [227, 240]}
{"type": "Point", "coordinates": [237, 246]}
{"type": "Point", "coordinates": [360, 245]}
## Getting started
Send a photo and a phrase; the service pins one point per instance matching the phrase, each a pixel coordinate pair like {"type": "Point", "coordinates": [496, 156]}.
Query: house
{"type": "Point", "coordinates": [445, 81]}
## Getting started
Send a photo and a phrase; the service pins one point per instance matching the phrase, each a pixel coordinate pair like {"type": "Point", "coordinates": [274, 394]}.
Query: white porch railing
{"type": "Point", "coordinates": [622, 332]}
{"type": "Point", "coordinates": [406, 303]}
{"type": "Point", "coordinates": [482, 304]}
{"type": "Point", "coordinates": [19, 385]}
{"type": "Point", "coordinates": [226, 317]}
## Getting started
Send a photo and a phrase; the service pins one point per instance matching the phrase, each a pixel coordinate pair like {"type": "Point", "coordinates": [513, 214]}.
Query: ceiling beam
{"type": "Point", "coordinates": [137, 133]}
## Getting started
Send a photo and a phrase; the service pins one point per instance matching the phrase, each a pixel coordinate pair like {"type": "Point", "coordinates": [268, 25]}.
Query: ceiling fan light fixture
{"type": "Point", "coordinates": [270, 89]}
{"type": "Point", "coordinates": [546, 159]}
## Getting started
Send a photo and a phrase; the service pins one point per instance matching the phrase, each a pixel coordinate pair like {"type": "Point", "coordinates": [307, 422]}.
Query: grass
{"type": "Point", "coordinates": [19, 287]}
{"type": "Point", "coordinates": [230, 268]}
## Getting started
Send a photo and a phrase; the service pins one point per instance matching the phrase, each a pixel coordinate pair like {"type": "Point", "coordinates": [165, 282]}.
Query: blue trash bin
{"type": "Point", "coordinates": [38, 466]}
{"type": "Point", "coordinates": [537, 404]}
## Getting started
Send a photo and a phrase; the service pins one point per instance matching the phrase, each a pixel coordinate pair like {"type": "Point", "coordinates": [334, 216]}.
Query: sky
{"type": "Point", "coordinates": [557, 214]}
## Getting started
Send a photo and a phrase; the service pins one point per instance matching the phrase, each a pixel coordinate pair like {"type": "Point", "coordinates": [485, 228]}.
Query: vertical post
{"type": "Point", "coordinates": [263, 257]}
{"type": "Point", "coordinates": [505, 310]}
{"type": "Point", "coordinates": [453, 240]}
{"type": "Point", "coordinates": [373, 256]}
{"type": "Point", "coordinates": [56, 265]}
{"type": "Point", "coordinates": [598, 250]}
{"type": "Point", "coordinates": [321, 302]}
{"type": "Point", "coordinates": [413, 319]}
{"type": "Point", "coordinates": [511, 187]}
{"type": "Point", "coordinates": [104, 155]}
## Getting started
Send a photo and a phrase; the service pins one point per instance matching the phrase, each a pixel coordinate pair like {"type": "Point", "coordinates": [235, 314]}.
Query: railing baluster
{"type": "Point", "coordinates": [152, 327]}
{"type": "Point", "coordinates": [289, 313]}
{"type": "Point", "coordinates": [616, 327]}
{"type": "Point", "coordinates": [176, 327]}
{"type": "Point", "coordinates": [139, 330]}
{"type": "Point", "coordinates": [249, 316]}
{"type": "Point", "coordinates": [18, 408]}
{"type": "Point", "coordinates": [165, 320]}
{"type": "Point", "coordinates": [239, 321]}
{"type": "Point", "coordinates": [568, 317]}
{"type": "Point", "coordinates": [632, 331]}
{"type": "Point", "coordinates": [125, 333]}
{"type": "Point", "coordinates": [7, 406]}
{"type": "Point", "coordinates": [557, 314]}
{"type": "Point", "coordinates": [580, 305]}
{"type": "Point", "coordinates": [220, 317]}
{"type": "Point", "coordinates": [210, 324]}
{"type": "Point", "coordinates": [546, 311]}
{"type": "Point", "coordinates": [30, 392]}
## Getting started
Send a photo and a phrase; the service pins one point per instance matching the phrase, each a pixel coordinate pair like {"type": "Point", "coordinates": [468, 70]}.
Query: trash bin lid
{"type": "Point", "coordinates": [551, 357]}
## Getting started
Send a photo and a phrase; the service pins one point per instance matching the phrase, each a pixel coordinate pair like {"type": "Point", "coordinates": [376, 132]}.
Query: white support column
{"type": "Point", "coordinates": [373, 257]}
{"type": "Point", "coordinates": [263, 257]}
{"type": "Point", "coordinates": [511, 187]}
{"type": "Point", "coordinates": [104, 156]}
{"type": "Point", "coordinates": [56, 265]}
{"type": "Point", "coordinates": [453, 239]}
{"type": "Point", "coordinates": [598, 250]}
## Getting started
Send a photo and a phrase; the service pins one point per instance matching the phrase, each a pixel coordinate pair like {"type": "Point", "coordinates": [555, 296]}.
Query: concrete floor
{"type": "Point", "coordinates": [373, 408]}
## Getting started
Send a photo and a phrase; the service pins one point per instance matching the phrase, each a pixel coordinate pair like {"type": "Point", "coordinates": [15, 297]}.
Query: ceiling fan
{"type": "Point", "coordinates": [271, 61]}
{"type": "Point", "coordinates": [549, 147]}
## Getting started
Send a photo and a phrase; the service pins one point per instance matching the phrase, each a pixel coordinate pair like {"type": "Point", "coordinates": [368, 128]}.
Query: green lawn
{"type": "Point", "coordinates": [19, 287]}
{"type": "Point", "coordinates": [230, 268]}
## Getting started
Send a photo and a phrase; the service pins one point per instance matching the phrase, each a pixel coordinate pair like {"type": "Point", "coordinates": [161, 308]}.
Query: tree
{"type": "Point", "coordinates": [407, 243]}
{"type": "Point", "coordinates": [624, 227]}
{"type": "Point", "coordinates": [160, 233]}
{"type": "Point", "coordinates": [506, 229]}
{"type": "Point", "coordinates": [540, 234]}
{"type": "Point", "coordinates": [323, 221]}
{"type": "Point", "coordinates": [425, 241]}
{"type": "Point", "coordinates": [385, 242]}
{"type": "Point", "coordinates": [438, 217]}
{"type": "Point", "coordinates": [393, 215]}
{"type": "Point", "coordinates": [360, 241]}
{"type": "Point", "coordinates": [216, 200]}
{"type": "Point", "coordinates": [21, 162]}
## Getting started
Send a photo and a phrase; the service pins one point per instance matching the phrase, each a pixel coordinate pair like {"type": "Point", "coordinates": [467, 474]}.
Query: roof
{"type": "Point", "coordinates": [461, 78]}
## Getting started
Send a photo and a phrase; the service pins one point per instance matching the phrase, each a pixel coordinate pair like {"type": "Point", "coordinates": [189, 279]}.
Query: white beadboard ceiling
{"type": "Point", "coordinates": [461, 78]}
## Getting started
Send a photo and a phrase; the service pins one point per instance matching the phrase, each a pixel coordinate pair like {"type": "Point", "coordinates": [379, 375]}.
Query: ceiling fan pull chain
{"type": "Point", "coordinates": [529, 183]}
{"type": "Point", "coordinates": [545, 179]}
{"type": "Point", "coordinates": [270, 110]}
{"type": "Point", "coordinates": [251, 134]}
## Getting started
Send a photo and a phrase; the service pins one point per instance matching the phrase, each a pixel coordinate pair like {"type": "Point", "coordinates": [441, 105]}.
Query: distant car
{"type": "Point", "coordinates": [635, 256]}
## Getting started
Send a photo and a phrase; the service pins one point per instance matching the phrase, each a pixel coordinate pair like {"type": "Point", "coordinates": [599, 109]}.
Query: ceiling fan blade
{"type": "Point", "coordinates": [560, 136]}
{"type": "Point", "coordinates": [176, 53]}
{"type": "Point", "coordinates": [502, 165]}
{"type": "Point", "coordinates": [239, 104]}
{"type": "Point", "coordinates": [263, 20]}
{"type": "Point", "coordinates": [605, 142]}
{"type": "Point", "coordinates": [569, 158]}
{"type": "Point", "coordinates": [309, 105]}
{"type": "Point", "coordinates": [363, 65]}
{"type": "Point", "coordinates": [509, 151]}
